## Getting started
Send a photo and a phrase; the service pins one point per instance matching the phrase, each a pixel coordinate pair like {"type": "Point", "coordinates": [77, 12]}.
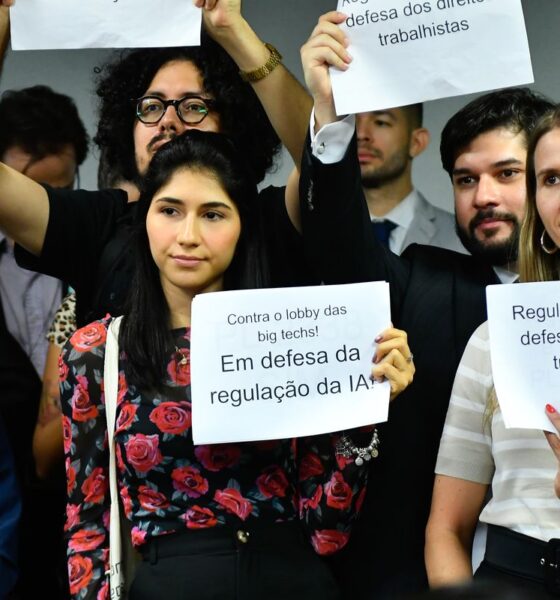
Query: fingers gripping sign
{"type": "Point", "coordinates": [393, 360]}
{"type": "Point", "coordinates": [325, 48]}
{"type": "Point", "coordinates": [219, 14]}
{"type": "Point", "coordinates": [554, 442]}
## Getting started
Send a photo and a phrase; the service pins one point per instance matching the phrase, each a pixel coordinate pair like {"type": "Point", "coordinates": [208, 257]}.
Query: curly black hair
{"type": "Point", "coordinates": [242, 116]}
{"type": "Point", "coordinates": [42, 122]}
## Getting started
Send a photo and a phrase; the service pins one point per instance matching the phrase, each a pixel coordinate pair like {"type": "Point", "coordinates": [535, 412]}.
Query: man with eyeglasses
{"type": "Point", "coordinates": [146, 99]}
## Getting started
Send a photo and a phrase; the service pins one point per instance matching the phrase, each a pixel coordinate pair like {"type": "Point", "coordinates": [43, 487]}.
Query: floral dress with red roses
{"type": "Point", "coordinates": [167, 484]}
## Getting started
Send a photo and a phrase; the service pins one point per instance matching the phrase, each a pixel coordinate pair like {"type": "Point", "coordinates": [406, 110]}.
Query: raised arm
{"type": "Point", "coordinates": [339, 242]}
{"type": "Point", "coordinates": [278, 90]}
{"type": "Point", "coordinates": [325, 48]}
{"type": "Point", "coordinates": [24, 209]}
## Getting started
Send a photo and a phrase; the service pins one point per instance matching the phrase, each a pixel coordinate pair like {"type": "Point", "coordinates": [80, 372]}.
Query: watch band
{"type": "Point", "coordinates": [257, 74]}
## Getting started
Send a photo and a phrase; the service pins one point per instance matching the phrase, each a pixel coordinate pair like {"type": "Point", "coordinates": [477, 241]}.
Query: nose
{"type": "Point", "coordinates": [170, 121]}
{"type": "Point", "coordinates": [486, 192]}
{"type": "Point", "coordinates": [188, 233]}
{"type": "Point", "coordinates": [364, 131]}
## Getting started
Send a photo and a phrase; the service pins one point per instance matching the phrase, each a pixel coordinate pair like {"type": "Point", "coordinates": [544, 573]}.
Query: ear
{"type": "Point", "coordinates": [419, 140]}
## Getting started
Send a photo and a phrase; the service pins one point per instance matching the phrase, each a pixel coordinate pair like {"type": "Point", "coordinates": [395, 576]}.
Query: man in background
{"type": "Point", "coordinates": [388, 142]}
{"type": "Point", "coordinates": [41, 135]}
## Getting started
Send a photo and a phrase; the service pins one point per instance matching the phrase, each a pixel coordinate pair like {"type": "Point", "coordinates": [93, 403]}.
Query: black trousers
{"type": "Point", "coordinates": [273, 563]}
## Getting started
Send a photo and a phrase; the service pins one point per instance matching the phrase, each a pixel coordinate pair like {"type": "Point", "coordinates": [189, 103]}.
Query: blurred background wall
{"type": "Point", "coordinates": [287, 24]}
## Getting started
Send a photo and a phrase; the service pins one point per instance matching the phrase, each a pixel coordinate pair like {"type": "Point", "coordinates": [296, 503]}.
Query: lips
{"type": "Point", "coordinates": [187, 261]}
{"type": "Point", "coordinates": [490, 223]}
{"type": "Point", "coordinates": [368, 155]}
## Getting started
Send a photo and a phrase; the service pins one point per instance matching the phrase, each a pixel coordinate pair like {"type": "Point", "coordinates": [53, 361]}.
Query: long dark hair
{"type": "Point", "coordinates": [145, 333]}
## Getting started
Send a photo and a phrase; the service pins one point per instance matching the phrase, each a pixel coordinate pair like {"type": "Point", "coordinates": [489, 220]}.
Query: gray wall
{"type": "Point", "coordinates": [287, 24]}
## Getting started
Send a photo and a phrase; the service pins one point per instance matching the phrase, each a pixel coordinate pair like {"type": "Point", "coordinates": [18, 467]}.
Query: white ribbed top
{"type": "Point", "coordinates": [518, 463]}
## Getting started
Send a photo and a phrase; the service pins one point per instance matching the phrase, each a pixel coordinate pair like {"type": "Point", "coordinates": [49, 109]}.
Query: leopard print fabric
{"type": "Point", "coordinates": [64, 323]}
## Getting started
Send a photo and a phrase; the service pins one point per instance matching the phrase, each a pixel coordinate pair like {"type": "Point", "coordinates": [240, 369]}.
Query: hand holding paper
{"type": "Point", "coordinates": [326, 47]}
{"type": "Point", "coordinates": [554, 442]}
{"type": "Point", "coordinates": [219, 14]}
{"type": "Point", "coordinates": [393, 360]}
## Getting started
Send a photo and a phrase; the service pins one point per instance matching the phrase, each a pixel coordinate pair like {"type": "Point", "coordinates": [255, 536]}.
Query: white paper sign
{"type": "Point", "coordinates": [66, 24]}
{"type": "Point", "coordinates": [524, 325]}
{"type": "Point", "coordinates": [409, 51]}
{"type": "Point", "coordinates": [282, 363]}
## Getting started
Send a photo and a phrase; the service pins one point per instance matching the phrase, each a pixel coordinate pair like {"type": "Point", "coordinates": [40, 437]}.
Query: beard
{"type": "Point", "coordinates": [390, 170]}
{"type": "Point", "coordinates": [497, 253]}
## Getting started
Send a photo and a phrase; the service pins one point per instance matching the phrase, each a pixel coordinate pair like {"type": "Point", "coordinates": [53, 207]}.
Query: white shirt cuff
{"type": "Point", "coordinates": [330, 143]}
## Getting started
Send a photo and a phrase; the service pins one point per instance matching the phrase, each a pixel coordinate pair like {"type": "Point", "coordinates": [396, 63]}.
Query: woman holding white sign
{"type": "Point", "coordinates": [221, 521]}
{"type": "Point", "coordinates": [477, 451]}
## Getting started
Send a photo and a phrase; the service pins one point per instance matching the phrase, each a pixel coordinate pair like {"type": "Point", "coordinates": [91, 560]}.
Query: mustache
{"type": "Point", "coordinates": [490, 213]}
{"type": "Point", "coordinates": [158, 138]}
{"type": "Point", "coordinates": [373, 151]}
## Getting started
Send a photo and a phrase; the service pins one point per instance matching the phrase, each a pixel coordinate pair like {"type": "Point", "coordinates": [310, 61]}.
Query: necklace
{"type": "Point", "coordinates": [184, 359]}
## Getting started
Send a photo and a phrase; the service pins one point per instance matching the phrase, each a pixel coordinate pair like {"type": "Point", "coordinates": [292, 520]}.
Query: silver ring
{"type": "Point", "coordinates": [410, 358]}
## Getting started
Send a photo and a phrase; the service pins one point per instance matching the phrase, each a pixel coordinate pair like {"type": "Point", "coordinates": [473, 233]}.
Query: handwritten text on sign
{"type": "Point", "coordinates": [274, 364]}
{"type": "Point", "coordinates": [409, 51]}
{"type": "Point", "coordinates": [524, 326]}
{"type": "Point", "coordinates": [66, 24]}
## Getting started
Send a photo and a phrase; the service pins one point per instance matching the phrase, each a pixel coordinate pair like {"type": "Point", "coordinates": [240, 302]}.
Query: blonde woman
{"type": "Point", "coordinates": [478, 453]}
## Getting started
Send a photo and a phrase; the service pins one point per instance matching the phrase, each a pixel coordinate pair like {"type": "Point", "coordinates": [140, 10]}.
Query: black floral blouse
{"type": "Point", "coordinates": [167, 484]}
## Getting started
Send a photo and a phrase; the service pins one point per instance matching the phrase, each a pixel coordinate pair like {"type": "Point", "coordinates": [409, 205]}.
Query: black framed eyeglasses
{"type": "Point", "coordinates": [191, 108]}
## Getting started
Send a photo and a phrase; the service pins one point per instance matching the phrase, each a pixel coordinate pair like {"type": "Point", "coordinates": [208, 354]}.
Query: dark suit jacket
{"type": "Point", "coordinates": [438, 297]}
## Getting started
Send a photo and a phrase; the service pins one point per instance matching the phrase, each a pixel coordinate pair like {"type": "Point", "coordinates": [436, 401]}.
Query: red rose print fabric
{"type": "Point", "coordinates": [166, 483]}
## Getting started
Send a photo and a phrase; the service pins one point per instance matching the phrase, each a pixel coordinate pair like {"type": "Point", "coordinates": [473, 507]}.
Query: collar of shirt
{"type": "Point", "coordinates": [401, 215]}
{"type": "Point", "coordinates": [506, 276]}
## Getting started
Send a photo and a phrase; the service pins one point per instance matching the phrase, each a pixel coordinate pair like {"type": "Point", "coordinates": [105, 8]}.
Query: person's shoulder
{"type": "Point", "coordinates": [102, 202]}
{"type": "Point", "coordinates": [435, 254]}
{"type": "Point", "coordinates": [116, 196]}
{"type": "Point", "coordinates": [438, 263]}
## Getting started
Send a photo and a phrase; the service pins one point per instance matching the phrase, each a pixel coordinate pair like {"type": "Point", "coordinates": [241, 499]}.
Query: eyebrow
{"type": "Point", "coordinates": [507, 162]}
{"type": "Point", "coordinates": [384, 113]}
{"type": "Point", "coordinates": [213, 204]}
{"type": "Point", "coordinates": [548, 171]}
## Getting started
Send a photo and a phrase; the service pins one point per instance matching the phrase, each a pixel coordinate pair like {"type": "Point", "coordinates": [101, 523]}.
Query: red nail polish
{"type": "Point", "coordinates": [550, 409]}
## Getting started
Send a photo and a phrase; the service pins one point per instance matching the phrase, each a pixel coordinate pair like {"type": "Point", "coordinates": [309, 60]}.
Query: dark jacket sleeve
{"type": "Point", "coordinates": [339, 243]}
